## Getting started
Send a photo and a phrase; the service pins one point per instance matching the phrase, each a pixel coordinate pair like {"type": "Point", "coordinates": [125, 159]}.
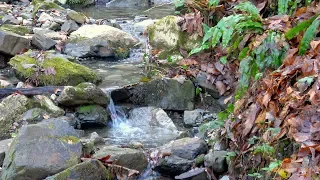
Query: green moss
{"type": "Point", "coordinates": [199, 160]}
{"type": "Point", "coordinates": [67, 73]}
{"type": "Point", "coordinates": [51, 126]}
{"type": "Point", "coordinates": [121, 53]}
{"type": "Point", "coordinates": [21, 30]}
{"type": "Point", "coordinates": [86, 109]}
{"type": "Point", "coordinates": [42, 4]}
{"type": "Point", "coordinates": [73, 160]}
{"type": "Point", "coordinates": [76, 39]}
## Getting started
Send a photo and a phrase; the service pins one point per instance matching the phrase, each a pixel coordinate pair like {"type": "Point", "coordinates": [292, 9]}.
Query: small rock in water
{"type": "Point", "coordinates": [135, 145]}
{"type": "Point", "coordinates": [173, 165]}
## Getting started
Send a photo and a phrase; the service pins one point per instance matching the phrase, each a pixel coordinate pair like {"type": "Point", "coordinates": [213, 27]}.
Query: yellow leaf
{"type": "Point", "coordinates": [283, 173]}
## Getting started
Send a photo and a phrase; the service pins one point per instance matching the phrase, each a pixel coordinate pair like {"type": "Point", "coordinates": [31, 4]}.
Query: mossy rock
{"type": "Point", "coordinates": [44, 4]}
{"type": "Point", "coordinates": [17, 29]}
{"type": "Point", "coordinates": [166, 35]}
{"type": "Point", "coordinates": [92, 169]}
{"type": "Point", "coordinates": [83, 94]}
{"type": "Point", "coordinates": [66, 72]}
{"type": "Point", "coordinates": [42, 149]}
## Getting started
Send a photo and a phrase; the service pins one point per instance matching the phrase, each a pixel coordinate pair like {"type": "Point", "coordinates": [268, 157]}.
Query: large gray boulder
{"type": "Point", "coordinates": [42, 150]}
{"type": "Point", "coordinates": [11, 108]}
{"type": "Point", "coordinates": [167, 94]}
{"type": "Point", "coordinates": [99, 40]}
{"type": "Point", "coordinates": [166, 35]}
{"type": "Point", "coordinates": [89, 170]}
{"type": "Point", "coordinates": [130, 158]}
{"type": "Point", "coordinates": [11, 43]}
{"type": "Point", "coordinates": [82, 94]}
{"type": "Point", "coordinates": [187, 148]}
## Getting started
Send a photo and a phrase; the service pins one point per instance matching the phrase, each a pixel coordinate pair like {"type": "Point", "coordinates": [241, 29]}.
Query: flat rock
{"type": "Point", "coordinates": [173, 165]}
{"type": "Point", "coordinates": [92, 114]}
{"type": "Point", "coordinates": [129, 158]}
{"type": "Point", "coordinates": [42, 42]}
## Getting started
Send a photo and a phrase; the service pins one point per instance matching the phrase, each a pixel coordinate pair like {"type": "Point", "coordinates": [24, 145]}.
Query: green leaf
{"type": "Point", "coordinates": [249, 8]}
{"type": "Point", "coordinates": [272, 166]}
{"type": "Point", "coordinates": [205, 27]}
{"type": "Point", "coordinates": [293, 32]}
{"type": "Point", "coordinates": [243, 53]}
{"type": "Point", "coordinates": [213, 3]}
{"type": "Point", "coordinates": [198, 90]}
{"type": "Point", "coordinates": [223, 59]}
{"type": "Point", "coordinates": [283, 6]}
{"type": "Point", "coordinates": [249, 25]}
{"type": "Point", "coordinates": [308, 36]}
{"type": "Point", "coordinates": [208, 34]}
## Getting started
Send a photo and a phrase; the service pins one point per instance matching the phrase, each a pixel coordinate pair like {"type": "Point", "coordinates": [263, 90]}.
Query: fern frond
{"type": "Point", "coordinates": [249, 8]}
{"type": "Point", "coordinates": [308, 36]}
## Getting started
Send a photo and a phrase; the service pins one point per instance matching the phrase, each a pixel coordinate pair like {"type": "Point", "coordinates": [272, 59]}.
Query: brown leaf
{"type": "Point", "coordinates": [248, 124]}
{"type": "Point", "coordinates": [221, 87]}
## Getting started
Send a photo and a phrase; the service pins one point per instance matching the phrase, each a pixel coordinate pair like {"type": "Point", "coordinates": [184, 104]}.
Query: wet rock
{"type": "Point", "coordinates": [173, 165]}
{"type": "Point", "coordinates": [12, 43]}
{"type": "Point", "coordinates": [65, 71]}
{"type": "Point", "coordinates": [110, 23]}
{"type": "Point", "coordinates": [207, 87]}
{"type": "Point", "coordinates": [49, 106]}
{"type": "Point", "coordinates": [164, 93]}
{"type": "Point", "coordinates": [216, 161]}
{"type": "Point", "coordinates": [194, 174]}
{"type": "Point", "coordinates": [188, 148]}
{"type": "Point", "coordinates": [99, 40]}
{"type": "Point", "coordinates": [153, 117]}
{"type": "Point", "coordinates": [41, 150]}
{"type": "Point", "coordinates": [55, 26]}
{"type": "Point", "coordinates": [4, 146]}
{"type": "Point", "coordinates": [142, 26]}
{"type": "Point", "coordinates": [42, 42]}
{"type": "Point", "coordinates": [89, 170]}
{"type": "Point", "coordinates": [69, 26]}
{"type": "Point", "coordinates": [84, 93]}
{"type": "Point", "coordinates": [193, 118]}
{"type": "Point", "coordinates": [130, 158]}
{"type": "Point", "coordinates": [11, 108]}
{"type": "Point", "coordinates": [76, 16]}
{"type": "Point", "coordinates": [167, 35]}
{"type": "Point", "coordinates": [91, 114]}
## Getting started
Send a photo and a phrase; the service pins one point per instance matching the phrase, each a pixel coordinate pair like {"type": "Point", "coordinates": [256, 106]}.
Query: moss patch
{"type": "Point", "coordinates": [86, 109]}
{"type": "Point", "coordinates": [42, 4]}
{"type": "Point", "coordinates": [21, 30]}
{"type": "Point", "coordinates": [67, 73]}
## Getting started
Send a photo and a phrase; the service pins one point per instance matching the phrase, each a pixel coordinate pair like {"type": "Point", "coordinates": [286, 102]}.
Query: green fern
{"type": "Point", "coordinates": [283, 6]}
{"type": "Point", "coordinates": [213, 3]}
{"type": "Point", "coordinates": [249, 8]}
{"type": "Point", "coordinates": [299, 28]}
{"type": "Point", "coordinates": [308, 36]}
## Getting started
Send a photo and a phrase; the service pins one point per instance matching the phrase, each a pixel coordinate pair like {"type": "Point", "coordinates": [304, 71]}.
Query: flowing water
{"type": "Point", "coordinates": [137, 126]}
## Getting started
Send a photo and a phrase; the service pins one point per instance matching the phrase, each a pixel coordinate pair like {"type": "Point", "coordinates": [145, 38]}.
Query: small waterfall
{"type": "Point", "coordinates": [118, 116]}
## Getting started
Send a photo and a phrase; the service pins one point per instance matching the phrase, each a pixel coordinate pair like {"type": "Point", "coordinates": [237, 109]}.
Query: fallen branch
{"type": "Point", "coordinates": [31, 91]}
